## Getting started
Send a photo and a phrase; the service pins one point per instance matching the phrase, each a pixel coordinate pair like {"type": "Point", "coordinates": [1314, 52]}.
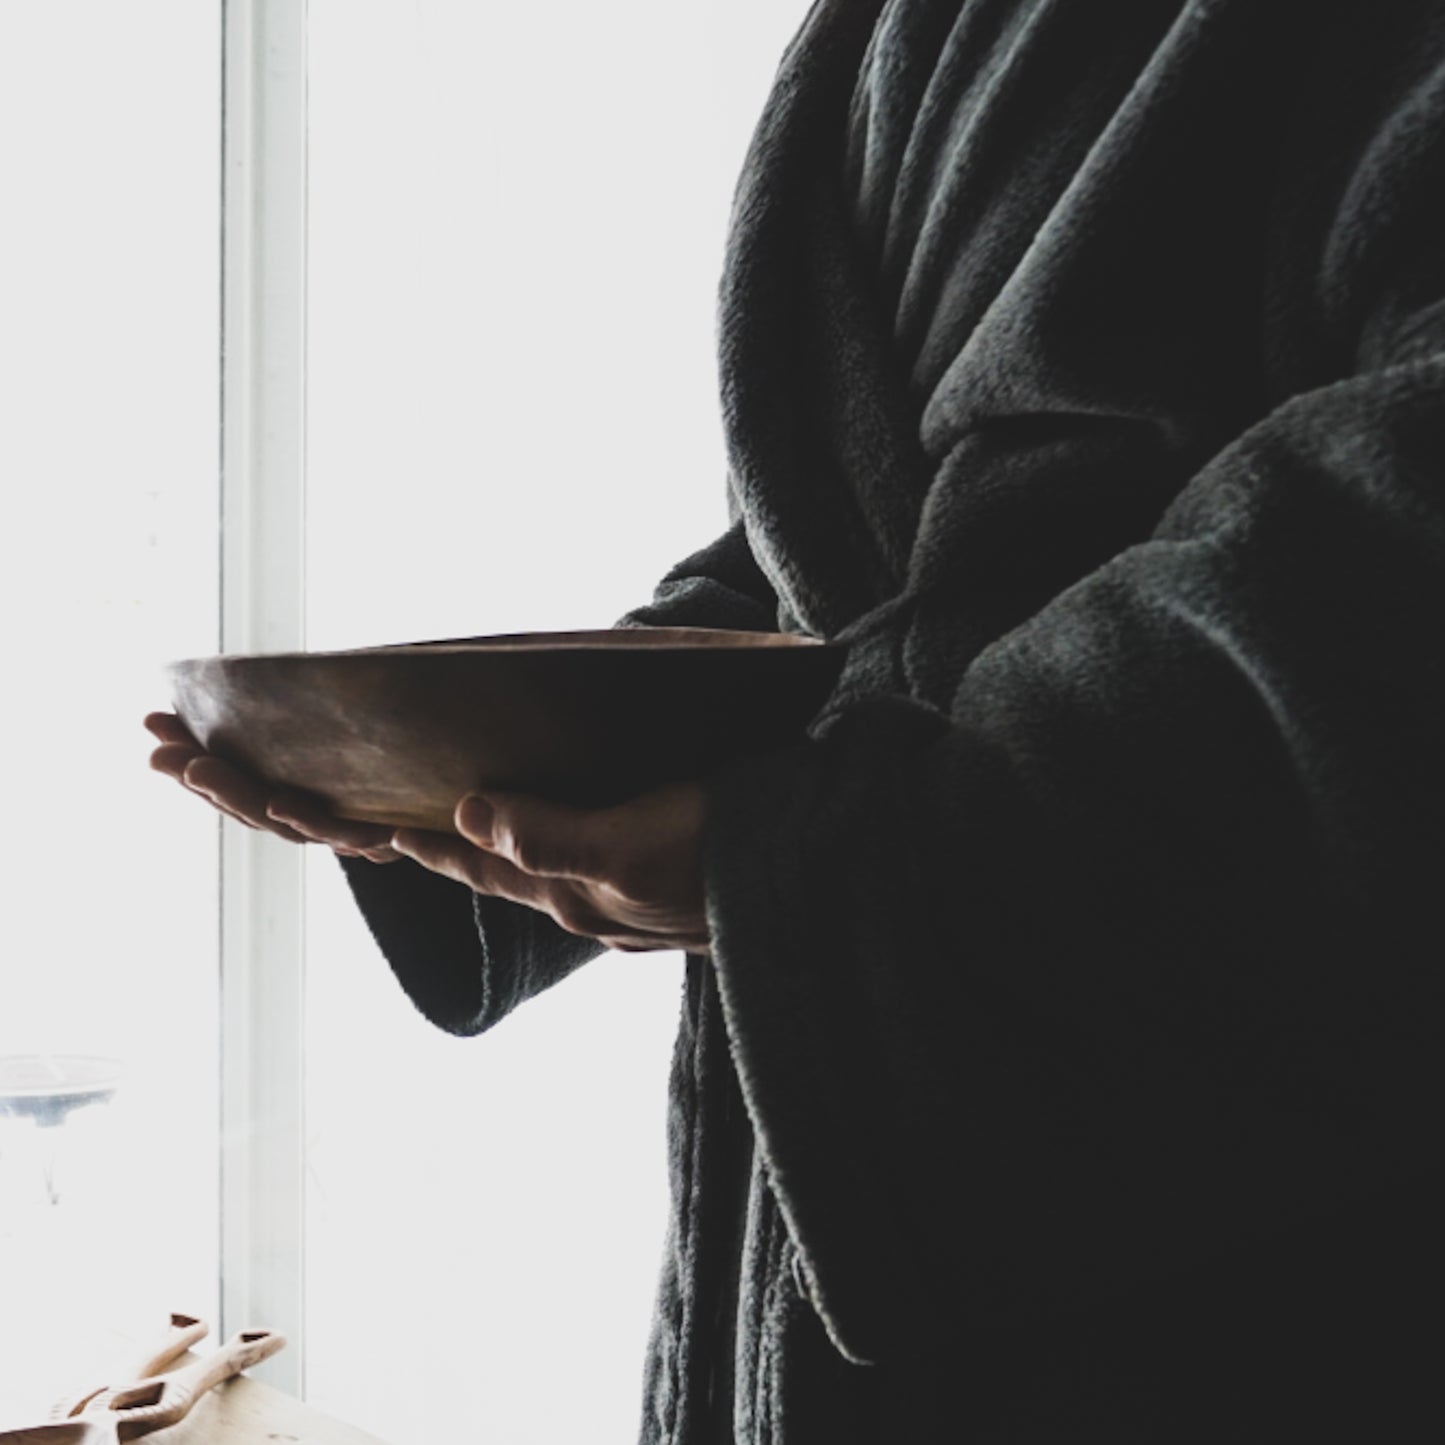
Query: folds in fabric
{"type": "Point", "coordinates": [1084, 366]}
{"type": "Point", "coordinates": [1101, 950]}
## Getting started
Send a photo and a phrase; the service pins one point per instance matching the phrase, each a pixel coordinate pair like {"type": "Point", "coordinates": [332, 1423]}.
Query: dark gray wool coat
{"type": "Point", "coordinates": [1069, 1066]}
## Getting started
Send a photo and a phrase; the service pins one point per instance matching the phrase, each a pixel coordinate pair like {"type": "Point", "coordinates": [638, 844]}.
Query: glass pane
{"type": "Point", "coordinates": [109, 146]}
{"type": "Point", "coordinates": [517, 218]}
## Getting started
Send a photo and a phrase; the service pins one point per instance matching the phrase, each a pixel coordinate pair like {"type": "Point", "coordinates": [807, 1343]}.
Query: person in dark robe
{"type": "Point", "coordinates": [1061, 1058]}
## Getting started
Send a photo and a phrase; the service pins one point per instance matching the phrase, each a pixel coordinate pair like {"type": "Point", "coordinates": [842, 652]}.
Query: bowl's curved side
{"type": "Point", "coordinates": [399, 737]}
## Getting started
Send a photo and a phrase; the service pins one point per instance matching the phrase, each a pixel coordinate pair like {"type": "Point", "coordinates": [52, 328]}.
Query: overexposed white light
{"type": "Point", "coordinates": [517, 218]}
{"type": "Point", "coordinates": [109, 301]}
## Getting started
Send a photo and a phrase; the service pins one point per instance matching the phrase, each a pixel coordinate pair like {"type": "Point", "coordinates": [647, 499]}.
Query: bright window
{"type": "Point", "coordinates": [109, 305]}
{"type": "Point", "coordinates": [503, 269]}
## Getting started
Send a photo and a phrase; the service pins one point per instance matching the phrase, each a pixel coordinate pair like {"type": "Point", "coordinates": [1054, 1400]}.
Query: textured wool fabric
{"type": "Point", "coordinates": [1069, 1063]}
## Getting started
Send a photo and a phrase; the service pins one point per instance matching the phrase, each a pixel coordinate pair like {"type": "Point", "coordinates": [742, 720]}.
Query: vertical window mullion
{"type": "Point", "coordinates": [262, 610]}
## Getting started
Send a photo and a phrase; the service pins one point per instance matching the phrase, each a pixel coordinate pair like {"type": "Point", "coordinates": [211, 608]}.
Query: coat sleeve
{"type": "Point", "coordinates": [466, 961]}
{"type": "Point", "coordinates": [1128, 956]}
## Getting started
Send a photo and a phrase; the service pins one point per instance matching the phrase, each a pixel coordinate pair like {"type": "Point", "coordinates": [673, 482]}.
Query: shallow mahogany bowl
{"type": "Point", "coordinates": [399, 734]}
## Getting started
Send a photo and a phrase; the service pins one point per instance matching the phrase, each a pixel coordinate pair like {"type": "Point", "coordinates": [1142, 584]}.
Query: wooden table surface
{"type": "Point", "coordinates": [246, 1412]}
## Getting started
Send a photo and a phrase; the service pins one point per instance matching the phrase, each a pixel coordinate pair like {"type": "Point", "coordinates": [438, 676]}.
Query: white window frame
{"type": "Point", "coordinates": [263, 445]}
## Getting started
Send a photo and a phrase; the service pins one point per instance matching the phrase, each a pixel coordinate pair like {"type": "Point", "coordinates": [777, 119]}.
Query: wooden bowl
{"type": "Point", "coordinates": [399, 734]}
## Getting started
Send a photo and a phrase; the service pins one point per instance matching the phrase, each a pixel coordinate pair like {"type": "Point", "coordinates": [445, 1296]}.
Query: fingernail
{"type": "Point", "coordinates": [475, 816]}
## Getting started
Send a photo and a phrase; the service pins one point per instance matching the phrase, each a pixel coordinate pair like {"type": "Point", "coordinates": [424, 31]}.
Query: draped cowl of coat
{"type": "Point", "coordinates": [1069, 1063]}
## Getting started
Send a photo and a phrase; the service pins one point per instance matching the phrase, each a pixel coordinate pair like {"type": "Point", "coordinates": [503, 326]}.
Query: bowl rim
{"type": "Point", "coordinates": [678, 639]}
